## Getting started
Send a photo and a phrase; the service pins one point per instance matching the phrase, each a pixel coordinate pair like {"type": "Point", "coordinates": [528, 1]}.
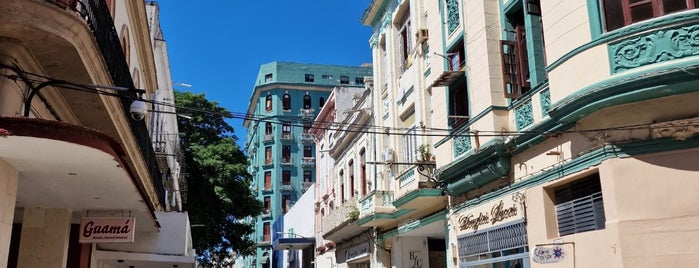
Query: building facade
{"type": "Point", "coordinates": [77, 138]}
{"type": "Point", "coordinates": [285, 100]}
{"type": "Point", "coordinates": [578, 137]}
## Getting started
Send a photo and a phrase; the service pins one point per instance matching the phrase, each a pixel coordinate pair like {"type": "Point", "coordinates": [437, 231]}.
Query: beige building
{"type": "Point", "coordinates": [564, 132]}
{"type": "Point", "coordinates": [81, 182]}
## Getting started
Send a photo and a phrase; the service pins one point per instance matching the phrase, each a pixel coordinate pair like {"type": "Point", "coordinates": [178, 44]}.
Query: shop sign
{"type": "Point", "coordinates": [548, 254]}
{"type": "Point", "coordinates": [357, 252]}
{"type": "Point", "coordinates": [416, 259]}
{"type": "Point", "coordinates": [501, 211]}
{"type": "Point", "coordinates": [107, 230]}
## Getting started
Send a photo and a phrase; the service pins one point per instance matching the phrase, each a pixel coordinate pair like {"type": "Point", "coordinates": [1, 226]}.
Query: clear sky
{"type": "Point", "coordinates": [217, 46]}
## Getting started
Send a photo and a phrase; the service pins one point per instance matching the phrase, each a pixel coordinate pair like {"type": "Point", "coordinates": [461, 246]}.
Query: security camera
{"type": "Point", "coordinates": [138, 110]}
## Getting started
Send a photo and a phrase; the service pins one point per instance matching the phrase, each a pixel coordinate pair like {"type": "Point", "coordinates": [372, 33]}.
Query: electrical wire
{"type": "Point", "coordinates": [298, 121]}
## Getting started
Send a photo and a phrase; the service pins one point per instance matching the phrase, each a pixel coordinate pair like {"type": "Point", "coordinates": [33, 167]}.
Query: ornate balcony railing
{"type": "Point", "coordinates": [99, 20]}
{"type": "Point", "coordinates": [308, 161]}
{"type": "Point", "coordinates": [376, 202]}
{"type": "Point", "coordinates": [268, 138]}
{"type": "Point", "coordinates": [308, 137]}
{"type": "Point", "coordinates": [286, 187]}
{"type": "Point", "coordinates": [287, 137]}
{"type": "Point", "coordinates": [307, 113]}
{"type": "Point", "coordinates": [340, 215]}
{"type": "Point", "coordinates": [411, 180]}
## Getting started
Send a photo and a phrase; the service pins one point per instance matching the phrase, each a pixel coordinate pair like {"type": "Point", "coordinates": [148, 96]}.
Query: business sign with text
{"type": "Point", "coordinates": [107, 230]}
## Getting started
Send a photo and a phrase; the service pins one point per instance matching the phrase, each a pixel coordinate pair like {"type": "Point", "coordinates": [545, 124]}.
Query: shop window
{"type": "Point", "coordinates": [321, 102]}
{"type": "Point", "coordinates": [344, 80]}
{"type": "Point", "coordinates": [309, 78]}
{"type": "Point", "coordinates": [458, 104]}
{"type": "Point", "coordinates": [405, 41]}
{"type": "Point", "coordinates": [307, 151]}
{"type": "Point", "coordinates": [268, 102]}
{"type": "Point", "coordinates": [286, 154]}
{"type": "Point", "coordinates": [579, 206]}
{"type": "Point", "coordinates": [619, 13]}
{"type": "Point", "coordinates": [306, 101]}
{"type": "Point", "coordinates": [286, 101]}
{"type": "Point", "coordinates": [268, 180]}
{"type": "Point", "coordinates": [286, 177]}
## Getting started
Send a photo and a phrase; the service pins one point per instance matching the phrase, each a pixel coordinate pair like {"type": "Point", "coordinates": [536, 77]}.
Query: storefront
{"type": "Point", "coordinates": [492, 234]}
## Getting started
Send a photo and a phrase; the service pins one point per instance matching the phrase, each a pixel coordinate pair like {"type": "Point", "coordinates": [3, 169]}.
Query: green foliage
{"type": "Point", "coordinates": [218, 183]}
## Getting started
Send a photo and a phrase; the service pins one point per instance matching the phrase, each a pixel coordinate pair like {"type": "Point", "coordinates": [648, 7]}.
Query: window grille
{"type": "Point", "coordinates": [498, 239]}
{"type": "Point", "coordinates": [579, 206]}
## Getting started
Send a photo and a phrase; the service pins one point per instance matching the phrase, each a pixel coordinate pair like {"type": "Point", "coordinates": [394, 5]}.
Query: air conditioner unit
{"type": "Point", "coordinates": [422, 35]}
{"type": "Point", "coordinates": [388, 155]}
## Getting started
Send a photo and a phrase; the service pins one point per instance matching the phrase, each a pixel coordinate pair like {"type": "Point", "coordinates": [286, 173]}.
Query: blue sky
{"type": "Point", "coordinates": [218, 46]}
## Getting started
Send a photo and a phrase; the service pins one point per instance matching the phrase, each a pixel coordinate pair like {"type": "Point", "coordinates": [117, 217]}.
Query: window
{"type": "Point", "coordinates": [523, 54]}
{"type": "Point", "coordinates": [286, 101]}
{"type": "Point", "coordinates": [515, 64]}
{"type": "Point", "coordinates": [321, 102]}
{"type": "Point", "coordinates": [619, 13]}
{"type": "Point", "coordinates": [362, 159]}
{"type": "Point", "coordinates": [268, 180]}
{"type": "Point", "coordinates": [350, 169]}
{"type": "Point", "coordinates": [344, 80]}
{"type": "Point", "coordinates": [268, 155]}
{"type": "Point", "coordinates": [579, 206]}
{"type": "Point", "coordinates": [306, 101]}
{"type": "Point", "coordinates": [457, 56]}
{"type": "Point", "coordinates": [359, 80]}
{"type": "Point", "coordinates": [307, 151]}
{"type": "Point", "coordinates": [327, 76]}
{"type": "Point", "coordinates": [286, 154]}
{"type": "Point", "coordinates": [342, 186]}
{"type": "Point", "coordinates": [307, 176]}
{"type": "Point", "coordinates": [309, 78]}
{"type": "Point", "coordinates": [306, 127]}
{"type": "Point", "coordinates": [405, 42]}
{"type": "Point", "coordinates": [267, 204]}
{"type": "Point", "coordinates": [410, 145]}
{"type": "Point", "coordinates": [268, 102]}
{"type": "Point", "coordinates": [286, 177]}
{"type": "Point", "coordinates": [286, 127]}
{"type": "Point", "coordinates": [268, 78]}
{"type": "Point", "coordinates": [458, 104]}
{"type": "Point", "coordinates": [268, 128]}
{"type": "Point", "coordinates": [286, 203]}
{"type": "Point", "coordinates": [265, 232]}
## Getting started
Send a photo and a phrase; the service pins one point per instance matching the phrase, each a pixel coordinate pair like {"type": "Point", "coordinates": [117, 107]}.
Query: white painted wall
{"type": "Point", "coordinates": [173, 238]}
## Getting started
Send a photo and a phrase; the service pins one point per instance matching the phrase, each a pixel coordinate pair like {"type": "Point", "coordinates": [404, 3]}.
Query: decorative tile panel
{"type": "Point", "coordinates": [524, 115]}
{"type": "Point", "coordinates": [654, 47]}
{"type": "Point", "coordinates": [545, 97]}
{"type": "Point", "coordinates": [452, 15]}
{"type": "Point", "coordinates": [462, 143]}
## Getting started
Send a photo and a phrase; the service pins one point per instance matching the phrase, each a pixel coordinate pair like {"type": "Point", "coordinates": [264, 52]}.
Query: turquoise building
{"type": "Point", "coordinates": [280, 147]}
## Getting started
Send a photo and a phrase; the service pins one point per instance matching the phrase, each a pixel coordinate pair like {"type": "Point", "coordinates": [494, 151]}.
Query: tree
{"type": "Point", "coordinates": [218, 194]}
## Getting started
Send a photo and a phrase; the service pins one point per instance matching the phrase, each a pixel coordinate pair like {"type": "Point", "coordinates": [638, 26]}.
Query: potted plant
{"type": "Point", "coordinates": [424, 154]}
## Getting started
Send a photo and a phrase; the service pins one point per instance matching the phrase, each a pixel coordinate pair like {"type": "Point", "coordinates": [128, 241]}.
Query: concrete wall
{"type": "Point", "coordinates": [173, 238]}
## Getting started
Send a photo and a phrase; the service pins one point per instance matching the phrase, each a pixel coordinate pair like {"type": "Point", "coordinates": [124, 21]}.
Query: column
{"type": "Point", "coordinates": [44, 240]}
{"type": "Point", "coordinates": [8, 196]}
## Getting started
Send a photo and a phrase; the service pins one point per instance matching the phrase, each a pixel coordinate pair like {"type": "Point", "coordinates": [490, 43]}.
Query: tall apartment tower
{"type": "Point", "coordinates": [285, 101]}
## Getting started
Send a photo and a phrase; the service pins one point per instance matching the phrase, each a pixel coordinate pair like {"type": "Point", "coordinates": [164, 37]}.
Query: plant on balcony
{"type": "Point", "coordinates": [353, 213]}
{"type": "Point", "coordinates": [424, 154]}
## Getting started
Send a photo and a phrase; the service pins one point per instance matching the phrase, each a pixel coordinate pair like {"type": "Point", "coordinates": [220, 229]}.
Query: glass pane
{"type": "Point", "coordinates": [670, 6]}
{"type": "Point", "coordinates": [641, 12]}
{"type": "Point", "coordinates": [614, 15]}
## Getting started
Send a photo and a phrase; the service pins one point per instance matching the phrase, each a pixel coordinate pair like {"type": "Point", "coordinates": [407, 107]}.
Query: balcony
{"type": "Point", "coordinates": [306, 185]}
{"type": "Point", "coordinates": [268, 163]}
{"type": "Point", "coordinates": [307, 113]}
{"type": "Point", "coordinates": [308, 162]}
{"type": "Point", "coordinates": [265, 240]}
{"type": "Point", "coordinates": [286, 187]}
{"type": "Point", "coordinates": [308, 137]}
{"type": "Point", "coordinates": [287, 162]}
{"type": "Point", "coordinates": [268, 138]}
{"type": "Point", "coordinates": [339, 225]}
{"type": "Point", "coordinates": [287, 137]}
{"type": "Point", "coordinates": [416, 191]}
{"type": "Point", "coordinates": [266, 214]}
{"type": "Point", "coordinates": [376, 208]}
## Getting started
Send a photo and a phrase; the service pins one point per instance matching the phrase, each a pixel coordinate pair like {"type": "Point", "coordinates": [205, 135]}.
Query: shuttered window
{"type": "Point", "coordinates": [579, 206]}
{"type": "Point", "coordinates": [498, 239]}
{"type": "Point", "coordinates": [515, 64]}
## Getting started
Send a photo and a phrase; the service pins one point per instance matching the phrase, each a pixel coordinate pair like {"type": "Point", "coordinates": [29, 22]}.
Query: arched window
{"type": "Point", "coordinates": [126, 44]}
{"type": "Point", "coordinates": [268, 102]}
{"type": "Point", "coordinates": [321, 102]}
{"type": "Point", "coordinates": [307, 101]}
{"type": "Point", "coordinates": [286, 101]}
{"type": "Point", "coordinates": [362, 166]}
{"type": "Point", "coordinates": [342, 186]}
{"type": "Point", "coordinates": [350, 169]}
{"type": "Point", "coordinates": [136, 78]}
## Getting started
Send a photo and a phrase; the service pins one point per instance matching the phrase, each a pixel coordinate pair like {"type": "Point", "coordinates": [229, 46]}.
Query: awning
{"type": "Point", "coordinates": [447, 78]}
{"type": "Point", "coordinates": [292, 243]}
